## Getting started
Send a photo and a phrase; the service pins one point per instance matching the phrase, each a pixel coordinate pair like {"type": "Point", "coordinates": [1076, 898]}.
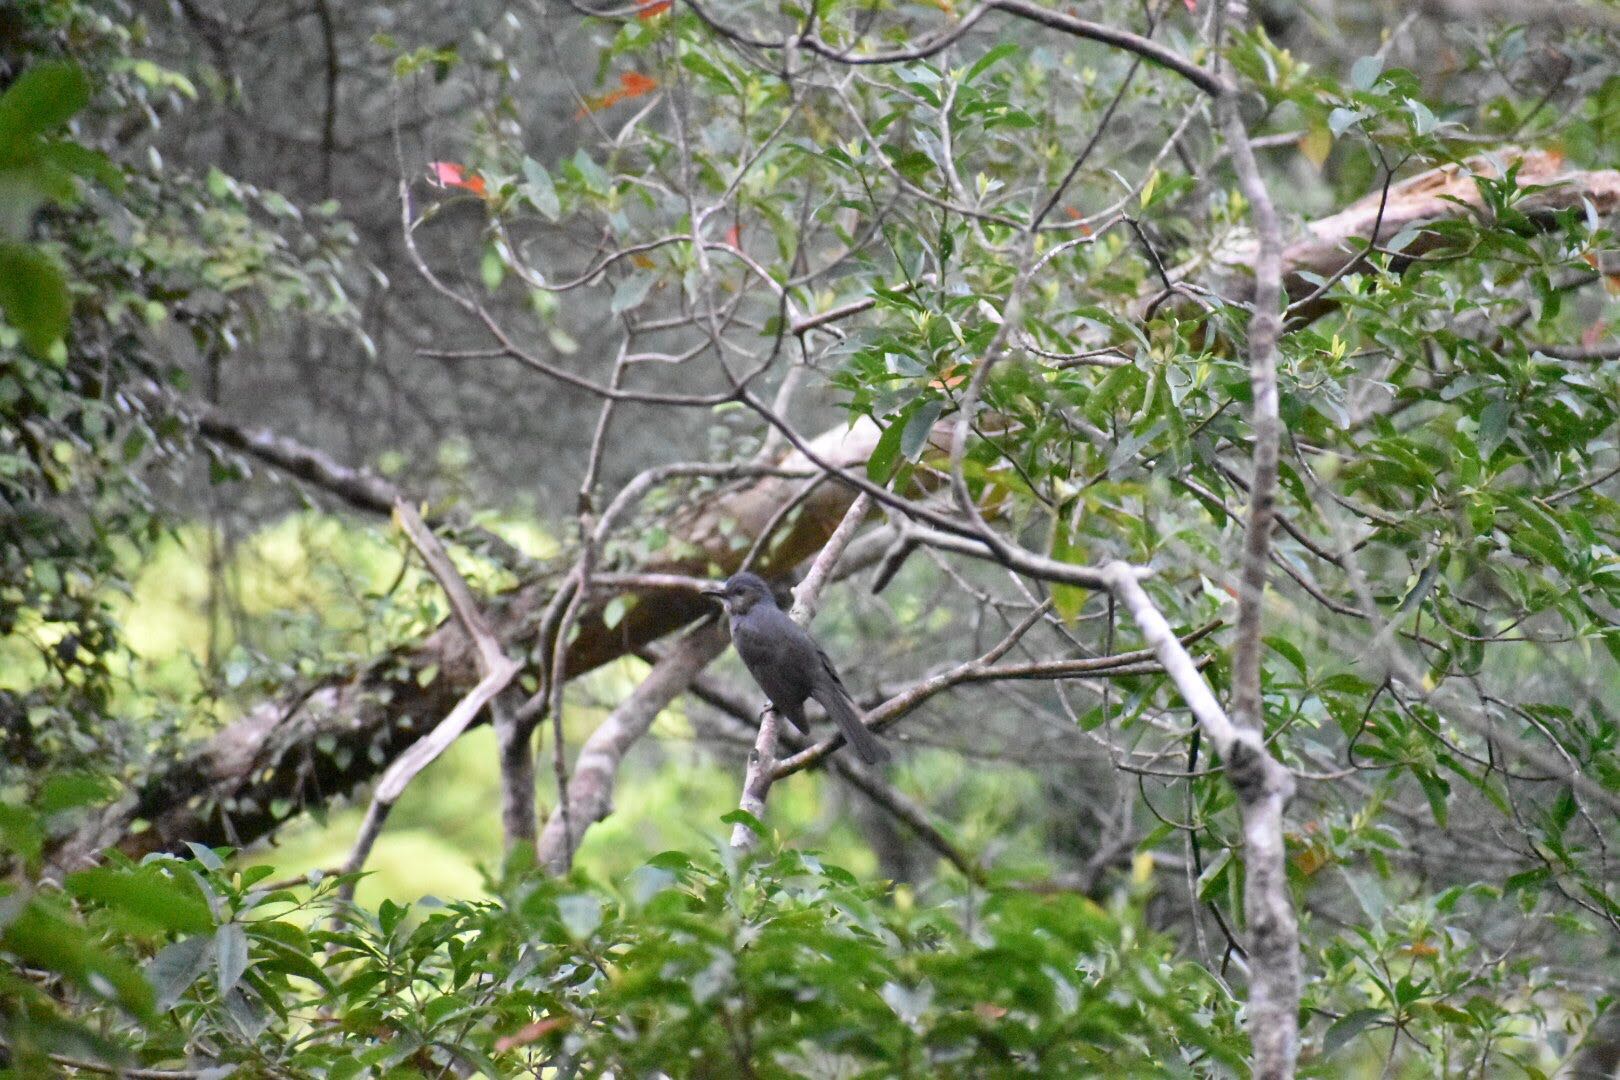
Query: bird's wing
{"type": "Point", "coordinates": [832, 672]}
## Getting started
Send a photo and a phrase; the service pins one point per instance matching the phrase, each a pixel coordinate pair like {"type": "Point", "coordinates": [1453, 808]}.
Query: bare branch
{"type": "Point", "coordinates": [1263, 788]}
{"type": "Point", "coordinates": [1050, 18]}
{"type": "Point", "coordinates": [1265, 324]}
{"type": "Point", "coordinates": [358, 488]}
{"type": "Point", "coordinates": [496, 667]}
{"type": "Point", "coordinates": [590, 790]}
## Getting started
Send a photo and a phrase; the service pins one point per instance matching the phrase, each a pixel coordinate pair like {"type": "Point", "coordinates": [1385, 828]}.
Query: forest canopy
{"type": "Point", "coordinates": [1188, 427]}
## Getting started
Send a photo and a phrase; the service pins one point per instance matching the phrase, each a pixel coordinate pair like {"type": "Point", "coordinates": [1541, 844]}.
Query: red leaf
{"type": "Point", "coordinates": [450, 175]}
{"type": "Point", "coordinates": [445, 173]}
{"type": "Point", "coordinates": [651, 9]}
{"type": "Point", "coordinates": [734, 238]}
{"type": "Point", "coordinates": [1192, 5]}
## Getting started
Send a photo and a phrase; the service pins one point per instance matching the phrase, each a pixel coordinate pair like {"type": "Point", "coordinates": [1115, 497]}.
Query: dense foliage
{"type": "Point", "coordinates": [694, 965]}
{"type": "Point", "coordinates": [149, 266]}
{"type": "Point", "coordinates": [1018, 257]}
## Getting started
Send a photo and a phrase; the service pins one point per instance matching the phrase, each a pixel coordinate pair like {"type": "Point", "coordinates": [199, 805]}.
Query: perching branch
{"type": "Point", "coordinates": [985, 669]}
{"type": "Point", "coordinates": [806, 597]}
{"type": "Point", "coordinates": [738, 716]}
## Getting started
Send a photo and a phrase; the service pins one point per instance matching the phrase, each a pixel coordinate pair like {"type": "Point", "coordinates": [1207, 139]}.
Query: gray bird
{"type": "Point", "coordinates": [787, 663]}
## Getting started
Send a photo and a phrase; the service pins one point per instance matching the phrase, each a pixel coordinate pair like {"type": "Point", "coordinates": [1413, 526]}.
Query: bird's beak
{"type": "Point", "coordinates": [716, 591]}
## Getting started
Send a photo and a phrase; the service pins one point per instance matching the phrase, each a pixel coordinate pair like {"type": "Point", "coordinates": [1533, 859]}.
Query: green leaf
{"type": "Point", "coordinates": [539, 189]}
{"type": "Point", "coordinates": [172, 971]}
{"type": "Point", "coordinates": [1421, 587]}
{"type": "Point", "coordinates": [1525, 879]}
{"type": "Point", "coordinates": [699, 64]}
{"type": "Point", "coordinates": [580, 913]}
{"type": "Point", "coordinates": [1210, 882]}
{"type": "Point", "coordinates": [230, 955]}
{"type": "Point", "coordinates": [994, 56]}
{"type": "Point", "coordinates": [630, 293]}
{"type": "Point", "coordinates": [492, 268]}
{"type": "Point", "coordinates": [145, 894]}
{"type": "Point", "coordinates": [1369, 893]}
{"type": "Point", "coordinates": [43, 97]}
{"type": "Point", "coordinates": [1347, 1027]}
{"type": "Point", "coordinates": [1493, 426]}
{"type": "Point", "coordinates": [886, 454]}
{"type": "Point", "coordinates": [1067, 599]}
{"type": "Point", "coordinates": [68, 790]}
{"type": "Point", "coordinates": [917, 429]}
{"type": "Point", "coordinates": [593, 175]}
{"type": "Point", "coordinates": [1423, 120]}
{"type": "Point", "coordinates": [1340, 120]}
{"type": "Point", "coordinates": [20, 832]}
{"type": "Point", "coordinates": [40, 936]}
{"type": "Point", "coordinates": [85, 162]}
{"type": "Point", "coordinates": [34, 296]}
{"type": "Point", "coordinates": [743, 817]}
{"type": "Point", "coordinates": [206, 856]}
{"type": "Point", "coordinates": [1290, 652]}
{"type": "Point", "coordinates": [1437, 791]}
{"type": "Point", "coordinates": [613, 613]}
{"type": "Point", "coordinates": [1365, 72]}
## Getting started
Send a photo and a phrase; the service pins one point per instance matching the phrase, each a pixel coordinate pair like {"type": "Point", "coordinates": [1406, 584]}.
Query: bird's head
{"type": "Point", "coordinates": [740, 592]}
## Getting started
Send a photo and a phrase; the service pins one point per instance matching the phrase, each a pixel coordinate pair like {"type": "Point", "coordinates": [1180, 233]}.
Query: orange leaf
{"type": "Point", "coordinates": [651, 9]}
{"type": "Point", "coordinates": [1310, 860]}
{"type": "Point", "coordinates": [734, 237]}
{"type": "Point", "coordinates": [636, 84]}
{"type": "Point", "coordinates": [632, 84]}
{"type": "Point", "coordinates": [450, 175]}
{"type": "Point", "coordinates": [986, 1010]}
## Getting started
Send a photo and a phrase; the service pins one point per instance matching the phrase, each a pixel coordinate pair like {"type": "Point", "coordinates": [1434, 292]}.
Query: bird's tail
{"type": "Point", "coordinates": [849, 724]}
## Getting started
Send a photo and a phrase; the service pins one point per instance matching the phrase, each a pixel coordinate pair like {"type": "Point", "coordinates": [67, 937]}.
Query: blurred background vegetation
{"type": "Point", "coordinates": [201, 246]}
